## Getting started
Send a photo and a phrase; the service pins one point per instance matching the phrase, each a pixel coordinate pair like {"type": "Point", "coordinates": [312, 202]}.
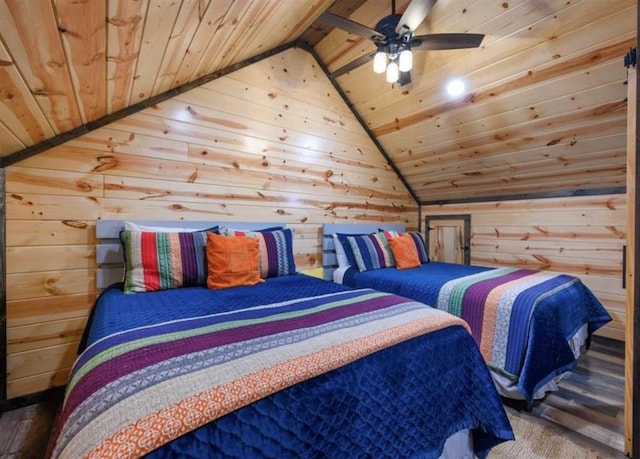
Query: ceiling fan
{"type": "Point", "coordinates": [394, 39]}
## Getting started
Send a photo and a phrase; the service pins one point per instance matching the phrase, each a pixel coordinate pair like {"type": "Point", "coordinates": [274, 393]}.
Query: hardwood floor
{"type": "Point", "coordinates": [25, 432]}
{"type": "Point", "coordinates": [588, 409]}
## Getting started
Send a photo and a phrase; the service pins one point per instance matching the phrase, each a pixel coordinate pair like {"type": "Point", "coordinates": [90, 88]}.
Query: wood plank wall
{"type": "Point", "coordinates": [272, 141]}
{"type": "Point", "coordinates": [583, 236]}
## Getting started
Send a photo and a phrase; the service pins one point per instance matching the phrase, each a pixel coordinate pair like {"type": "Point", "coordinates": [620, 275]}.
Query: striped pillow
{"type": "Point", "coordinates": [371, 251]}
{"type": "Point", "coordinates": [342, 238]}
{"type": "Point", "coordinates": [421, 247]}
{"type": "Point", "coordinates": [275, 249]}
{"type": "Point", "coordinates": [417, 240]}
{"type": "Point", "coordinates": [160, 261]}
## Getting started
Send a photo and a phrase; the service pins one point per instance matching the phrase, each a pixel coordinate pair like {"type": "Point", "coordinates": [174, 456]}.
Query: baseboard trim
{"type": "Point", "coordinates": [31, 399]}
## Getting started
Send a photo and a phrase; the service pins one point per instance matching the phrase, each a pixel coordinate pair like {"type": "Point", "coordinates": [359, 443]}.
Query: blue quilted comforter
{"type": "Point", "coordinates": [524, 321]}
{"type": "Point", "coordinates": [401, 401]}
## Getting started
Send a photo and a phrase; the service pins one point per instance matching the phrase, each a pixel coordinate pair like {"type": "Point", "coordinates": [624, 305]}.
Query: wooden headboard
{"type": "Point", "coordinates": [329, 260]}
{"type": "Point", "coordinates": [109, 250]}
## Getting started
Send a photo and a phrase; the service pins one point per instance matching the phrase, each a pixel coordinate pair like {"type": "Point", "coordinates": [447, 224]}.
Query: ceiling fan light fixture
{"type": "Point", "coordinates": [405, 61]}
{"type": "Point", "coordinates": [395, 40]}
{"type": "Point", "coordinates": [392, 72]}
{"type": "Point", "coordinates": [380, 62]}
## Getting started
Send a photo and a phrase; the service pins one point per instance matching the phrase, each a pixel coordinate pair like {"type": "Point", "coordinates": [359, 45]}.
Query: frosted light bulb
{"type": "Point", "coordinates": [380, 62]}
{"type": "Point", "coordinates": [405, 61]}
{"type": "Point", "coordinates": [392, 72]}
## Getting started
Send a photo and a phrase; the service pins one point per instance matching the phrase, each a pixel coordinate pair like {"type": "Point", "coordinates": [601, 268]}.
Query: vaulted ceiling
{"type": "Point", "coordinates": [544, 112]}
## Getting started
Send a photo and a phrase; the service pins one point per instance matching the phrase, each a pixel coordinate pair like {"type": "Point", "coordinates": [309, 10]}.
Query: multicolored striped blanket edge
{"type": "Point", "coordinates": [498, 305]}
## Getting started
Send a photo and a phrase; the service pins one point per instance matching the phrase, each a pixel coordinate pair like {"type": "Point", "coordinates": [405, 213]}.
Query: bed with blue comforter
{"type": "Point", "coordinates": [292, 367]}
{"type": "Point", "coordinates": [528, 324]}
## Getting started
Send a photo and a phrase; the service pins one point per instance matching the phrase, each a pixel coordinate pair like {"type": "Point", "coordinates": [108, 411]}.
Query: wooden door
{"type": "Point", "coordinates": [449, 238]}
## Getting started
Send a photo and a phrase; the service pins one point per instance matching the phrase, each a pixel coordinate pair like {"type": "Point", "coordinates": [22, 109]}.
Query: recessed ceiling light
{"type": "Point", "coordinates": [455, 87]}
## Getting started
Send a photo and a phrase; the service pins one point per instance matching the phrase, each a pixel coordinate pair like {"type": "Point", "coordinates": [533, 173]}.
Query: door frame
{"type": "Point", "coordinates": [467, 231]}
{"type": "Point", "coordinates": [632, 339]}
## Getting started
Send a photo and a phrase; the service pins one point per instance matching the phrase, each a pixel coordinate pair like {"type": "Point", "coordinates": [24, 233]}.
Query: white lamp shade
{"type": "Point", "coordinates": [380, 62]}
{"type": "Point", "coordinates": [405, 61]}
{"type": "Point", "coordinates": [392, 72]}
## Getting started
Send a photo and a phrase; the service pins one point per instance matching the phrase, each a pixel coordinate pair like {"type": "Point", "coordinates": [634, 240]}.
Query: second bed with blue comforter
{"type": "Point", "coordinates": [528, 324]}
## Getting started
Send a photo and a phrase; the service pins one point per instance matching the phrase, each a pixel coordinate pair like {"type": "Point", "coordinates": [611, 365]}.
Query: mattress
{"type": "Point", "coordinates": [404, 398]}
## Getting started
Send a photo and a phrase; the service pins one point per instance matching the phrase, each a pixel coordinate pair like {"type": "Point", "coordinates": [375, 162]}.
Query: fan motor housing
{"type": "Point", "coordinates": [387, 26]}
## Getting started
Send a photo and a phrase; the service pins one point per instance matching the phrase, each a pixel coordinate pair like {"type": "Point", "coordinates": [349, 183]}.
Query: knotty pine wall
{"type": "Point", "coordinates": [273, 141]}
{"type": "Point", "coordinates": [583, 236]}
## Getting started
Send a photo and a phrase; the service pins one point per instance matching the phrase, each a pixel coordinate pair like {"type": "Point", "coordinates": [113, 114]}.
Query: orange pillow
{"type": "Point", "coordinates": [232, 261]}
{"type": "Point", "coordinates": [404, 251]}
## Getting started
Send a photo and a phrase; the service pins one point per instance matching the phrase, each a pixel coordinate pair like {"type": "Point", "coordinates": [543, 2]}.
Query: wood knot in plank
{"type": "Point", "coordinates": [542, 230]}
{"type": "Point", "coordinates": [545, 263]}
{"type": "Point", "coordinates": [610, 108]}
{"type": "Point", "coordinates": [75, 224]}
{"type": "Point", "coordinates": [83, 186]}
{"type": "Point", "coordinates": [106, 163]}
{"type": "Point", "coordinates": [616, 231]}
{"type": "Point", "coordinates": [56, 64]}
{"type": "Point", "coordinates": [51, 287]}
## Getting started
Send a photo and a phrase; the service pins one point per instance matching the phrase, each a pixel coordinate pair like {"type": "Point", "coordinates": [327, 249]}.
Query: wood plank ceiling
{"type": "Point", "coordinates": [544, 113]}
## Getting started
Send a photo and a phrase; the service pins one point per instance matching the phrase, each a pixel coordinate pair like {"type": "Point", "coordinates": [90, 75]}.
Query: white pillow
{"type": "Point", "coordinates": [338, 275]}
{"type": "Point", "coordinates": [343, 261]}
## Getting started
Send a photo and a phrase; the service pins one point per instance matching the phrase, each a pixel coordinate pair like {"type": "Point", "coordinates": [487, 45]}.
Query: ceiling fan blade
{"type": "Point", "coordinates": [350, 26]}
{"type": "Point", "coordinates": [414, 15]}
{"type": "Point", "coordinates": [404, 78]}
{"type": "Point", "coordinates": [352, 65]}
{"type": "Point", "coordinates": [436, 41]}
